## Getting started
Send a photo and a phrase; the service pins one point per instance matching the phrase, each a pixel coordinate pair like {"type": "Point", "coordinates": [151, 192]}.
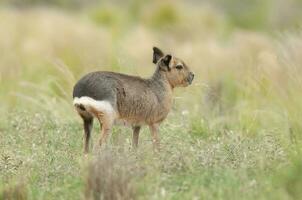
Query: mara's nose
{"type": "Point", "coordinates": [191, 77]}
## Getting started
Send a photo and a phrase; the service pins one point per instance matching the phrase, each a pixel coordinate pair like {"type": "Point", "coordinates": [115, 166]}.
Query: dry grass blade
{"type": "Point", "coordinates": [66, 72]}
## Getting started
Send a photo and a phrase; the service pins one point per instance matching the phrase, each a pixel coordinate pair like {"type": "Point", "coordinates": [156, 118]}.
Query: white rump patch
{"type": "Point", "coordinates": [92, 104]}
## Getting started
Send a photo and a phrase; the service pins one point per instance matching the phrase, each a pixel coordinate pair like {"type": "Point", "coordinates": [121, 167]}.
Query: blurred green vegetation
{"type": "Point", "coordinates": [248, 14]}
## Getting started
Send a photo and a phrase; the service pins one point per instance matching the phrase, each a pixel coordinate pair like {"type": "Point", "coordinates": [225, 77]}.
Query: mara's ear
{"type": "Point", "coordinates": [165, 62]}
{"type": "Point", "coordinates": [157, 54]}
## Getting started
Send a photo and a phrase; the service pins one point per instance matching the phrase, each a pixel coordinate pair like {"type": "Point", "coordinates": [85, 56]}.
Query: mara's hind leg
{"type": "Point", "coordinates": [88, 123]}
{"type": "Point", "coordinates": [136, 130]}
{"type": "Point", "coordinates": [106, 122]}
{"type": "Point", "coordinates": [102, 110]}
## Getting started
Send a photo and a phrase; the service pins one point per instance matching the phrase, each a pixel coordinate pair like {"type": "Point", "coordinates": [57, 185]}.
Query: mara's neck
{"type": "Point", "coordinates": [162, 89]}
{"type": "Point", "coordinates": [160, 78]}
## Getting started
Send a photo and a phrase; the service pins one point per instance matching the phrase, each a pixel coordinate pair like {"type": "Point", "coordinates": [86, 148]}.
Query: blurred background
{"type": "Point", "coordinates": [246, 56]}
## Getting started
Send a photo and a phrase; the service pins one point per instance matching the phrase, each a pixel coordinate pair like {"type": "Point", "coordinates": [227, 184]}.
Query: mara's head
{"type": "Point", "coordinates": [176, 71]}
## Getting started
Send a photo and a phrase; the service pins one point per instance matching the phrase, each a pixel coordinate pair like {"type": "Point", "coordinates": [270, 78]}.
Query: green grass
{"type": "Point", "coordinates": [46, 155]}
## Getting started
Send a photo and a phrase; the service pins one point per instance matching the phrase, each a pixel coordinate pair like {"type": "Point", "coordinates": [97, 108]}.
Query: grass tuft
{"type": "Point", "coordinates": [110, 176]}
{"type": "Point", "coordinates": [16, 191]}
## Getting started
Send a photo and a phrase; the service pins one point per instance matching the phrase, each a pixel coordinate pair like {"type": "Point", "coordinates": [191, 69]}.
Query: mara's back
{"type": "Point", "coordinates": [102, 85]}
{"type": "Point", "coordinates": [96, 85]}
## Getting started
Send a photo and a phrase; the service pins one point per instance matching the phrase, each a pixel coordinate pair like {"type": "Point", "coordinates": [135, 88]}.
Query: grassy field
{"type": "Point", "coordinates": [234, 134]}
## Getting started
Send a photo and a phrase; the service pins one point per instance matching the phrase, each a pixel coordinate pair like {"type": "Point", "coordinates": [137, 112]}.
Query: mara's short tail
{"type": "Point", "coordinates": [78, 104]}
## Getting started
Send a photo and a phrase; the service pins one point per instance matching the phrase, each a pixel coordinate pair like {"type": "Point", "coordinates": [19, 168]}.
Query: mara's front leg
{"type": "Point", "coordinates": [136, 130]}
{"type": "Point", "coordinates": [155, 137]}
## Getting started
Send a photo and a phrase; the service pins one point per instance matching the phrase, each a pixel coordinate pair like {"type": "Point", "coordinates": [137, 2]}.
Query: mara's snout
{"type": "Point", "coordinates": [190, 78]}
{"type": "Point", "coordinates": [110, 96]}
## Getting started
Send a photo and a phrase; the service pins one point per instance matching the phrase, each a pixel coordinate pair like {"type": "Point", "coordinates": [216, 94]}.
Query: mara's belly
{"type": "Point", "coordinates": [142, 109]}
{"type": "Point", "coordinates": [148, 116]}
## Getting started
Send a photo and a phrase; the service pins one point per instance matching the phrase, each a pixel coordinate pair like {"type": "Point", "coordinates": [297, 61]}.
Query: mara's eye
{"type": "Point", "coordinates": [179, 67]}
